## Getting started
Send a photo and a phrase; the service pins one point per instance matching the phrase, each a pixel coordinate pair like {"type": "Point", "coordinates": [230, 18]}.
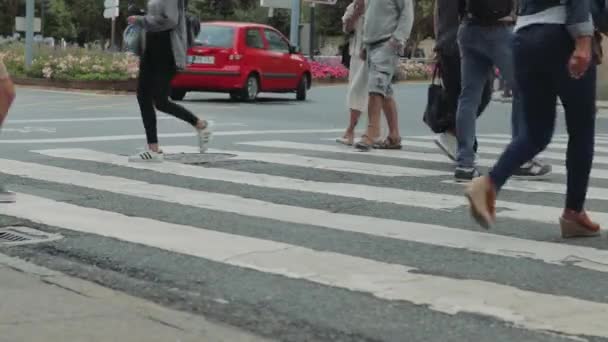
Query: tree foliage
{"type": "Point", "coordinates": [82, 20]}
{"type": "Point", "coordinates": [60, 22]}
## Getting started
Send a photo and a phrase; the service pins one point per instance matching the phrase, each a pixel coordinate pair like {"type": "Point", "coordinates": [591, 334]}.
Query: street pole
{"type": "Point", "coordinates": [295, 22]}
{"type": "Point", "coordinates": [113, 44]}
{"type": "Point", "coordinates": [29, 33]}
{"type": "Point", "coordinates": [312, 31]}
{"type": "Point", "coordinates": [42, 18]}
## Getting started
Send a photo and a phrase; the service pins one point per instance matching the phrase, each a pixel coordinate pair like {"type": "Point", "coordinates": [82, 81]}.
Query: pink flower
{"type": "Point", "coordinates": [324, 71]}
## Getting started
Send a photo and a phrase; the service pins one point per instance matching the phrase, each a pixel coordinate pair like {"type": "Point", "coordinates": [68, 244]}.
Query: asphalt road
{"type": "Point", "coordinates": [280, 232]}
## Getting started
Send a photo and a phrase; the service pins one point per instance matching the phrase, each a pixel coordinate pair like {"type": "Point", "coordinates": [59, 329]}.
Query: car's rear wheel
{"type": "Point", "coordinates": [177, 94]}
{"type": "Point", "coordinates": [302, 89]}
{"type": "Point", "coordinates": [252, 88]}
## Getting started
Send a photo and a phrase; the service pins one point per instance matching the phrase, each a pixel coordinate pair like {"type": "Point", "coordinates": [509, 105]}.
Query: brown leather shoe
{"type": "Point", "coordinates": [575, 224]}
{"type": "Point", "coordinates": [481, 194]}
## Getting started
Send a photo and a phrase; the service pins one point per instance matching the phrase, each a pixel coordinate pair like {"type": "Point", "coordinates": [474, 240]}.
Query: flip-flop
{"type": "Point", "coordinates": [345, 141]}
{"type": "Point", "coordinates": [363, 146]}
{"type": "Point", "coordinates": [389, 144]}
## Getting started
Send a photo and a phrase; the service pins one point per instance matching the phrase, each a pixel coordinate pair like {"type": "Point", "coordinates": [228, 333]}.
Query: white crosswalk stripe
{"type": "Point", "coordinates": [387, 281]}
{"type": "Point", "coordinates": [419, 156]}
{"type": "Point", "coordinates": [360, 182]}
{"type": "Point", "coordinates": [488, 149]}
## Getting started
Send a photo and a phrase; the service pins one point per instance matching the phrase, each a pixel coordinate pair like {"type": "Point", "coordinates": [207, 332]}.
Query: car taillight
{"type": "Point", "coordinates": [235, 57]}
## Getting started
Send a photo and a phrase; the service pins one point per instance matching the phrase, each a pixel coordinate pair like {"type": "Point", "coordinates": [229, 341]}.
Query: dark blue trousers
{"type": "Point", "coordinates": [542, 53]}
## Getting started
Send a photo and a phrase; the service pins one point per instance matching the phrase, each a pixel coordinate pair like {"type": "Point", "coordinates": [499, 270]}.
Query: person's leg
{"type": "Point", "coordinates": [450, 76]}
{"type": "Point", "coordinates": [391, 112]}
{"type": "Point", "coordinates": [145, 89]}
{"type": "Point", "coordinates": [162, 90]}
{"type": "Point", "coordinates": [7, 95]}
{"type": "Point", "coordinates": [475, 66]}
{"type": "Point", "coordinates": [381, 69]}
{"type": "Point", "coordinates": [357, 97]}
{"type": "Point", "coordinates": [391, 59]}
{"type": "Point", "coordinates": [535, 77]}
{"type": "Point", "coordinates": [578, 98]}
{"type": "Point", "coordinates": [374, 112]}
{"type": "Point", "coordinates": [502, 54]}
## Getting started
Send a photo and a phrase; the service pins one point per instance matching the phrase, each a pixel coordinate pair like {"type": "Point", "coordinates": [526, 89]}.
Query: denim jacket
{"type": "Point", "coordinates": [575, 14]}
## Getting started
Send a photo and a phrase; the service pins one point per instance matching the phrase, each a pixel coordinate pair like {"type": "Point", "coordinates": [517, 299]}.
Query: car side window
{"type": "Point", "coordinates": [254, 39]}
{"type": "Point", "coordinates": [276, 42]}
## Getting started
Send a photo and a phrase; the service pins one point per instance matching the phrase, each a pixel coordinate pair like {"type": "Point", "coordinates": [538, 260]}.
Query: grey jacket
{"type": "Point", "coordinates": [168, 15]}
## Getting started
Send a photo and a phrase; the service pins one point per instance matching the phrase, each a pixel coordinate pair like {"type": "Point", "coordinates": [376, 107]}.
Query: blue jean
{"type": "Point", "coordinates": [542, 53]}
{"type": "Point", "coordinates": [481, 49]}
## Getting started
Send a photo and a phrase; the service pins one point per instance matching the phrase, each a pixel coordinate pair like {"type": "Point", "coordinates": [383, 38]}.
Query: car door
{"type": "Point", "coordinates": [257, 58]}
{"type": "Point", "coordinates": [282, 73]}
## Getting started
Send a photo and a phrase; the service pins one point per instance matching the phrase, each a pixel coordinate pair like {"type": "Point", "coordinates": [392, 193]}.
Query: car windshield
{"type": "Point", "coordinates": [216, 36]}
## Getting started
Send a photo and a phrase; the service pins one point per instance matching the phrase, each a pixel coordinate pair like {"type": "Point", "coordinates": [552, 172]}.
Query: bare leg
{"type": "Point", "coordinates": [354, 119]}
{"type": "Point", "coordinates": [390, 110]}
{"type": "Point", "coordinates": [374, 113]}
{"type": "Point", "coordinates": [7, 95]}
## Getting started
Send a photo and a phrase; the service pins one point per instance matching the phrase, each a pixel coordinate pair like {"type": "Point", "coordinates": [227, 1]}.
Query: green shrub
{"type": "Point", "coordinates": [71, 64]}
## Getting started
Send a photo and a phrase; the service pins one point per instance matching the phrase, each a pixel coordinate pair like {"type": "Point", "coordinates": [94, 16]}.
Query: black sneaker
{"type": "Point", "coordinates": [533, 170]}
{"type": "Point", "coordinates": [464, 175]}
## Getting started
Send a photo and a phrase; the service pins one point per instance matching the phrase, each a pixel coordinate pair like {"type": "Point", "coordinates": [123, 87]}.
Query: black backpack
{"type": "Point", "coordinates": [488, 11]}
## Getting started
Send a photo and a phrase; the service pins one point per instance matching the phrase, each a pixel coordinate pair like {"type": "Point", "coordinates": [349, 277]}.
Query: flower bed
{"type": "Point", "coordinates": [73, 64]}
{"type": "Point", "coordinates": [77, 67]}
{"type": "Point", "coordinates": [331, 69]}
{"type": "Point", "coordinates": [325, 72]}
{"type": "Point", "coordinates": [414, 71]}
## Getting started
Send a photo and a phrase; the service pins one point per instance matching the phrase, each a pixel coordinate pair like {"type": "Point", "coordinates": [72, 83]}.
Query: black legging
{"type": "Point", "coordinates": [157, 69]}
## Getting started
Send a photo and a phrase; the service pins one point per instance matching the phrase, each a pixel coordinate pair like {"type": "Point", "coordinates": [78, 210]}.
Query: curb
{"type": "Point", "coordinates": [130, 86]}
{"type": "Point", "coordinates": [112, 86]}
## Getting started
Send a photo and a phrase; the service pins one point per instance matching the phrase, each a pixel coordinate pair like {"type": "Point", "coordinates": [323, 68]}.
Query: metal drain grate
{"type": "Point", "coordinates": [12, 236]}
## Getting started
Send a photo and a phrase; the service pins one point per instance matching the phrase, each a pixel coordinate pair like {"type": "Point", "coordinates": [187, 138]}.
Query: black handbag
{"type": "Point", "coordinates": [436, 112]}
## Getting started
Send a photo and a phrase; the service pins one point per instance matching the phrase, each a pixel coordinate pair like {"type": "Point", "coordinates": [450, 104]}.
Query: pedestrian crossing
{"type": "Point", "coordinates": [403, 196]}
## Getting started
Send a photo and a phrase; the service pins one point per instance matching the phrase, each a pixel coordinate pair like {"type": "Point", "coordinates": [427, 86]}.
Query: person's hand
{"type": "Point", "coordinates": [396, 44]}
{"type": "Point", "coordinates": [132, 19]}
{"type": "Point", "coordinates": [581, 58]}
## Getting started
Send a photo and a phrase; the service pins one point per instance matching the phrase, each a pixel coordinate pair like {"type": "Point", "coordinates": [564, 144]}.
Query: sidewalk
{"type": "Point", "coordinates": [39, 305]}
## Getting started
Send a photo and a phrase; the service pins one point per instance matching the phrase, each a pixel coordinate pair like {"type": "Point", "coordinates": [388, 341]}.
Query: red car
{"type": "Point", "coordinates": [242, 59]}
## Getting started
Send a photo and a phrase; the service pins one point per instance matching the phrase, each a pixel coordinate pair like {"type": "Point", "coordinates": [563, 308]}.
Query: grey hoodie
{"type": "Point", "coordinates": [168, 15]}
{"type": "Point", "coordinates": [385, 19]}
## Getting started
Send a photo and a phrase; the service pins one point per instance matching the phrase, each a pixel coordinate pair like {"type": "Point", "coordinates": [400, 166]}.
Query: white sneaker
{"type": "Point", "coordinates": [147, 156]}
{"type": "Point", "coordinates": [448, 144]}
{"type": "Point", "coordinates": [7, 196]}
{"type": "Point", "coordinates": [204, 136]}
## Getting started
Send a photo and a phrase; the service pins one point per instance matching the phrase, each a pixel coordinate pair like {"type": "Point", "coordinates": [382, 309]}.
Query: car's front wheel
{"type": "Point", "coordinates": [177, 94]}
{"type": "Point", "coordinates": [302, 89]}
